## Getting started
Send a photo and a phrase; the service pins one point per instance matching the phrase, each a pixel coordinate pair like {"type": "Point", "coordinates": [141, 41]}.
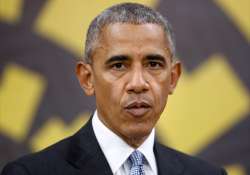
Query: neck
{"type": "Point", "coordinates": [135, 142]}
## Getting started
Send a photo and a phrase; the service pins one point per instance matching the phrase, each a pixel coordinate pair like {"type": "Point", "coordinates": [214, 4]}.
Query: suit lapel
{"type": "Point", "coordinates": [87, 157]}
{"type": "Point", "coordinates": [85, 153]}
{"type": "Point", "coordinates": [167, 161]}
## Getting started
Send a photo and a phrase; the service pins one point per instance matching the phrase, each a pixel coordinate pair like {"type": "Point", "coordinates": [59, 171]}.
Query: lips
{"type": "Point", "coordinates": [137, 108]}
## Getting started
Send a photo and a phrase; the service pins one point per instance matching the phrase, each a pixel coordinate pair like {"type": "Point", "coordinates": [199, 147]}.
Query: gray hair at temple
{"type": "Point", "coordinates": [132, 13]}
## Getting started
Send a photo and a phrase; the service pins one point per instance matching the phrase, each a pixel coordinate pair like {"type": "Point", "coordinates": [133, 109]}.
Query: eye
{"type": "Point", "coordinates": [118, 66]}
{"type": "Point", "coordinates": [154, 65]}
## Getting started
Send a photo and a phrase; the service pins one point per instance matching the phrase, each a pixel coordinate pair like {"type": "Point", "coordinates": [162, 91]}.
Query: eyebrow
{"type": "Point", "coordinates": [117, 58]}
{"type": "Point", "coordinates": [156, 57]}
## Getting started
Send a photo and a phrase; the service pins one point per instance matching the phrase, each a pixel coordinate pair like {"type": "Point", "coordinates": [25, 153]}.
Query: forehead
{"type": "Point", "coordinates": [123, 32]}
{"type": "Point", "coordinates": [122, 36]}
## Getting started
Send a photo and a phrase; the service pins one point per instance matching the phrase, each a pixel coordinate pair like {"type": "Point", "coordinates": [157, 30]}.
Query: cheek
{"type": "Point", "coordinates": [160, 92]}
{"type": "Point", "coordinates": [113, 88]}
{"type": "Point", "coordinates": [115, 94]}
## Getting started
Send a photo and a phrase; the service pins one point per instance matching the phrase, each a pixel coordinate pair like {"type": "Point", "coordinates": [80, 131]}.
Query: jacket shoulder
{"type": "Point", "coordinates": [15, 168]}
{"type": "Point", "coordinates": [40, 162]}
{"type": "Point", "coordinates": [191, 165]}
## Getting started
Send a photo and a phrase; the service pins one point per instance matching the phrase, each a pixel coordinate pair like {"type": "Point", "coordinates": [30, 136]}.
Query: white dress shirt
{"type": "Point", "coordinates": [117, 151]}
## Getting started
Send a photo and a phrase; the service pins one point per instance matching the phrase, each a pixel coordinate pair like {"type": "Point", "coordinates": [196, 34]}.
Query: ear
{"type": "Point", "coordinates": [175, 75]}
{"type": "Point", "coordinates": [85, 77]}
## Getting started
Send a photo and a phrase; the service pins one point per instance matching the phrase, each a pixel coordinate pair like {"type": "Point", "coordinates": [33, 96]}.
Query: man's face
{"type": "Point", "coordinates": [131, 77]}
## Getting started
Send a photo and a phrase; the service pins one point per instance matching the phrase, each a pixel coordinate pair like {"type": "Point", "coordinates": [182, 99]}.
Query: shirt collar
{"type": "Point", "coordinates": [117, 150]}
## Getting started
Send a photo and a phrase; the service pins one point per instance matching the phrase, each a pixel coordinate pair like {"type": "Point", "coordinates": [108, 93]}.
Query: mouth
{"type": "Point", "coordinates": [137, 108]}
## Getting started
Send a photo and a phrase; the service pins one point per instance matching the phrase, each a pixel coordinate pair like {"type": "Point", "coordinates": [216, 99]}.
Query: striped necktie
{"type": "Point", "coordinates": [136, 159]}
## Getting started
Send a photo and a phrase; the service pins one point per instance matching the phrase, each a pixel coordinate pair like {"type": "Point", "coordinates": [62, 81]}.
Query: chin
{"type": "Point", "coordinates": [139, 132]}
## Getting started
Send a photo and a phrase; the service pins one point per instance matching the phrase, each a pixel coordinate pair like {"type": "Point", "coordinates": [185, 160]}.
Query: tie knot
{"type": "Point", "coordinates": [136, 158]}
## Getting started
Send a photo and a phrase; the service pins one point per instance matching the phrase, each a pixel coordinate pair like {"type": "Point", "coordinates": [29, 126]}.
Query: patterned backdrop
{"type": "Point", "coordinates": [41, 101]}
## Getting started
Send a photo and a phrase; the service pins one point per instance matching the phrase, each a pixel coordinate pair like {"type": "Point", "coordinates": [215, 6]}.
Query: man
{"type": "Point", "coordinates": [130, 67]}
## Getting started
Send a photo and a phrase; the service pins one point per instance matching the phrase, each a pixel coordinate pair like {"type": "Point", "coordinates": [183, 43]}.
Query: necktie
{"type": "Point", "coordinates": [136, 159]}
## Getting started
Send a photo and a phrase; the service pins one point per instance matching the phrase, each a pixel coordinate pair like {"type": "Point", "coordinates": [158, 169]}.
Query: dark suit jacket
{"type": "Point", "coordinates": [80, 154]}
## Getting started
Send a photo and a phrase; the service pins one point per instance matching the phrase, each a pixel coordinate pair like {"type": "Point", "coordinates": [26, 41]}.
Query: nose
{"type": "Point", "coordinates": [137, 82]}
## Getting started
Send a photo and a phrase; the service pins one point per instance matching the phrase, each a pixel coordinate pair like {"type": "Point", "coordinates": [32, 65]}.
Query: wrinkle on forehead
{"type": "Point", "coordinates": [147, 32]}
{"type": "Point", "coordinates": [120, 36]}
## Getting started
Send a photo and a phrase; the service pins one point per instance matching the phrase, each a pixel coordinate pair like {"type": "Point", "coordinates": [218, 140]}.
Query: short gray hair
{"type": "Point", "coordinates": [132, 13]}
